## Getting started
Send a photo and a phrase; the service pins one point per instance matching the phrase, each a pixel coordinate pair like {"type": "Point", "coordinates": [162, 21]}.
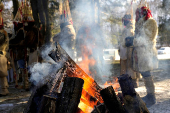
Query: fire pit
{"type": "Point", "coordinates": [80, 93]}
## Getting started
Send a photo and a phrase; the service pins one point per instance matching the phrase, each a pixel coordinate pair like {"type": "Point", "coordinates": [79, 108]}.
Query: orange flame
{"type": "Point", "coordinates": [114, 84]}
{"type": "Point", "coordinates": [91, 91]}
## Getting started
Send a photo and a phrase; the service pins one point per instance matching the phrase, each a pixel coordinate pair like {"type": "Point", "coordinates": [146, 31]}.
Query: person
{"type": "Point", "coordinates": [67, 34]}
{"type": "Point", "coordinates": [126, 51]}
{"type": "Point", "coordinates": [145, 54]}
{"type": "Point", "coordinates": [4, 43]}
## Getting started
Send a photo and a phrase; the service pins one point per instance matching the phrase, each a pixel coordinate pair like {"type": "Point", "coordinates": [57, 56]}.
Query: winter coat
{"type": "Point", "coordinates": [4, 43]}
{"type": "Point", "coordinates": [128, 31]}
{"type": "Point", "coordinates": [145, 57]}
{"type": "Point", "coordinates": [66, 37]}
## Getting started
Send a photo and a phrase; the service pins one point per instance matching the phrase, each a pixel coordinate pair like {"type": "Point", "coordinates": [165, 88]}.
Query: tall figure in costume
{"type": "Point", "coordinates": [67, 35]}
{"type": "Point", "coordinates": [4, 43]}
{"type": "Point", "coordinates": [145, 53]}
{"type": "Point", "coordinates": [126, 50]}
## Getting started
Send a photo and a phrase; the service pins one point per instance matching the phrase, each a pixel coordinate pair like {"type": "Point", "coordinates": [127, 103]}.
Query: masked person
{"type": "Point", "coordinates": [4, 43]}
{"type": "Point", "coordinates": [145, 53]}
{"type": "Point", "coordinates": [126, 50]}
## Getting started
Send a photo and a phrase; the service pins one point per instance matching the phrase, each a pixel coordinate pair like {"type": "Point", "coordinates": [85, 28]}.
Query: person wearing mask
{"type": "Point", "coordinates": [145, 53]}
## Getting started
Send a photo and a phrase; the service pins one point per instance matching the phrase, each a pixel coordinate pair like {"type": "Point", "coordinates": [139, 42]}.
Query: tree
{"type": "Point", "coordinates": [15, 7]}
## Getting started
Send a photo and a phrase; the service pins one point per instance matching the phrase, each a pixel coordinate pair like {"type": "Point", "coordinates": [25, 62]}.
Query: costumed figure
{"type": "Point", "coordinates": [67, 35]}
{"type": "Point", "coordinates": [126, 48]}
{"type": "Point", "coordinates": [16, 44]}
{"type": "Point", "coordinates": [145, 53]}
{"type": "Point", "coordinates": [33, 38]}
{"type": "Point", "coordinates": [4, 43]}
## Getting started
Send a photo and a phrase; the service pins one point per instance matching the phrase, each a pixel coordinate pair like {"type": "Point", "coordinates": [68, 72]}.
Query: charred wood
{"type": "Point", "coordinates": [100, 109]}
{"type": "Point", "coordinates": [73, 70]}
{"type": "Point", "coordinates": [70, 95]}
{"type": "Point", "coordinates": [48, 104]}
{"type": "Point", "coordinates": [111, 100]}
{"type": "Point", "coordinates": [131, 99]}
{"type": "Point", "coordinates": [35, 99]}
{"type": "Point", "coordinates": [44, 87]}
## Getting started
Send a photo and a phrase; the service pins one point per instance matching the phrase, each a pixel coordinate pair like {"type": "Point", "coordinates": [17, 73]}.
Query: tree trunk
{"type": "Point", "coordinates": [15, 6]}
{"type": "Point", "coordinates": [48, 26]}
{"type": "Point", "coordinates": [35, 13]}
{"type": "Point", "coordinates": [42, 16]}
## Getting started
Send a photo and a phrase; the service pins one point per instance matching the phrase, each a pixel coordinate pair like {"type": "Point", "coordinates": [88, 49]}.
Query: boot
{"type": "Point", "coordinates": [150, 98]}
{"type": "Point", "coordinates": [135, 82]}
{"type": "Point", "coordinates": [4, 86]}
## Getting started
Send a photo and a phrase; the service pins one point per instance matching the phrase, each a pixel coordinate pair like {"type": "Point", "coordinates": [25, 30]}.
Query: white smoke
{"type": "Point", "coordinates": [49, 66]}
{"type": "Point", "coordinates": [40, 70]}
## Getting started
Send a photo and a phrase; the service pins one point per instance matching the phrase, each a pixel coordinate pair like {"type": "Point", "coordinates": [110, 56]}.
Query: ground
{"type": "Point", "coordinates": [17, 99]}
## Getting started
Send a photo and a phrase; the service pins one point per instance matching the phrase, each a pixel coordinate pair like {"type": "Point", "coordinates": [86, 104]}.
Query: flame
{"type": "Point", "coordinates": [91, 91]}
{"type": "Point", "coordinates": [114, 84]}
{"type": "Point", "coordinates": [86, 61]}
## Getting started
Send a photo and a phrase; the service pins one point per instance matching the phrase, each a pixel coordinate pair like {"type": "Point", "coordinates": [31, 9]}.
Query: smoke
{"type": "Point", "coordinates": [91, 35]}
{"type": "Point", "coordinates": [40, 70]}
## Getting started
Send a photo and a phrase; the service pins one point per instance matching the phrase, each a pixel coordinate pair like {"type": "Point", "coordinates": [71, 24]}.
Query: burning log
{"type": "Point", "coordinates": [73, 70]}
{"type": "Point", "coordinates": [111, 100]}
{"type": "Point", "coordinates": [131, 99]}
{"type": "Point", "coordinates": [70, 95]}
{"type": "Point", "coordinates": [44, 87]}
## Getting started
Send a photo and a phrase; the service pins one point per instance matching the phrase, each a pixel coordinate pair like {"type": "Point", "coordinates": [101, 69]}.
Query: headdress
{"type": "Point", "coordinates": [24, 13]}
{"type": "Point", "coordinates": [146, 12]}
{"type": "Point", "coordinates": [27, 12]}
{"type": "Point", "coordinates": [143, 10]}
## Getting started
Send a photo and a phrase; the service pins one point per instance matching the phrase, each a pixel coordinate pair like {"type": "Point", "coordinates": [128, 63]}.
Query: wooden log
{"type": "Point", "coordinates": [88, 99]}
{"type": "Point", "coordinates": [131, 99]}
{"type": "Point", "coordinates": [111, 100]}
{"type": "Point", "coordinates": [70, 95]}
{"type": "Point", "coordinates": [100, 109]}
{"type": "Point", "coordinates": [73, 70]}
{"type": "Point", "coordinates": [44, 87]}
{"type": "Point", "coordinates": [35, 99]}
{"type": "Point", "coordinates": [48, 104]}
{"type": "Point", "coordinates": [126, 85]}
